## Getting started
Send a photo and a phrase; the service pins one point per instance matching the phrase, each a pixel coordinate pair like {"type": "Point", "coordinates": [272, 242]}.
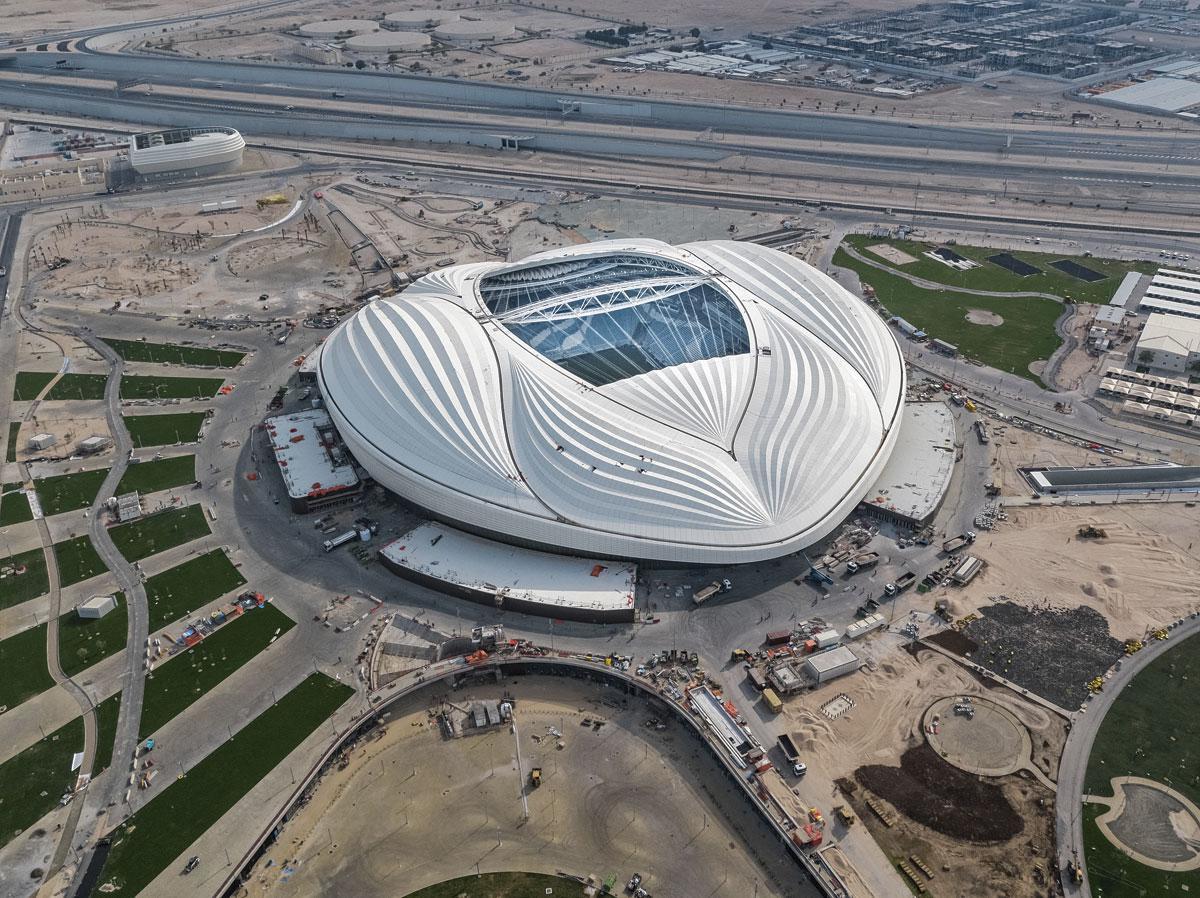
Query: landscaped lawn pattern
{"type": "Point", "coordinates": [189, 586]}
{"type": "Point", "coordinates": [69, 492]}
{"type": "Point", "coordinates": [18, 588]}
{"type": "Point", "coordinates": [78, 386]}
{"type": "Point", "coordinates": [77, 561]}
{"type": "Point", "coordinates": [1152, 730]}
{"type": "Point", "coordinates": [29, 384]}
{"type": "Point", "coordinates": [83, 642]}
{"type": "Point", "coordinates": [164, 430]}
{"type": "Point", "coordinates": [107, 713]}
{"type": "Point", "coordinates": [149, 386]}
{"type": "Point", "coordinates": [186, 677]}
{"type": "Point", "coordinates": [175, 818]}
{"type": "Point", "coordinates": [170, 354]}
{"type": "Point", "coordinates": [32, 781]}
{"type": "Point", "coordinates": [159, 532]}
{"type": "Point", "coordinates": [1026, 335]}
{"type": "Point", "coordinates": [14, 430]}
{"type": "Point", "coordinates": [159, 474]}
{"type": "Point", "coordinates": [996, 278]}
{"type": "Point", "coordinates": [502, 885]}
{"type": "Point", "coordinates": [14, 507]}
{"type": "Point", "coordinates": [23, 662]}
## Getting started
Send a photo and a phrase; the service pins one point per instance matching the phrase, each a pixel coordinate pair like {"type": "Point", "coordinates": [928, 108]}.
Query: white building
{"type": "Point", "coordinates": [96, 607]}
{"type": "Point", "coordinates": [1170, 343]}
{"type": "Point", "coordinates": [186, 150]}
{"type": "Point", "coordinates": [1173, 292]}
{"type": "Point", "coordinates": [715, 402]}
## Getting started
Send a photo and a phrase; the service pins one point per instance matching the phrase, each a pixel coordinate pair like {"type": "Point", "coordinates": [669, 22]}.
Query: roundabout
{"type": "Point", "coordinates": [977, 735]}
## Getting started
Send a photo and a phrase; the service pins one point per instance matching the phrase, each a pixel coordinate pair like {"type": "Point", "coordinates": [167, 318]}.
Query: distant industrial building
{"type": "Point", "coordinates": [1174, 292]}
{"type": "Point", "coordinates": [186, 151]}
{"type": "Point", "coordinates": [1170, 343]}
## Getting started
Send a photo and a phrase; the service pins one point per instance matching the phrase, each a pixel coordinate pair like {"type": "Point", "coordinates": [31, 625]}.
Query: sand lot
{"type": "Point", "coordinates": [413, 808]}
{"type": "Point", "coordinates": [1143, 575]}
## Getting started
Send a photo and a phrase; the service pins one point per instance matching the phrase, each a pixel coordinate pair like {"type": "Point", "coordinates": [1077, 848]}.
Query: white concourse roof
{"type": "Point", "coordinates": [561, 581]}
{"type": "Point", "coordinates": [918, 472]}
{"type": "Point", "coordinates": [306, 461]}
{"type": "Point", "coordinates": [714, 402]}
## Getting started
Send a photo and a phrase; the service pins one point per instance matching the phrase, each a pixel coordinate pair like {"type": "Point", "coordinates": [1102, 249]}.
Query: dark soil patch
{"type": "Point", "coordinates": [949, 801]}
{"type": "Point", "coordinates": [1052, 652]}
{"type": "Point", "coordinates": [1017, 266]}
{"type": "Point", "coordinates": [1075, 270]}
{"type": "Point", "coordinates": [953, 641]}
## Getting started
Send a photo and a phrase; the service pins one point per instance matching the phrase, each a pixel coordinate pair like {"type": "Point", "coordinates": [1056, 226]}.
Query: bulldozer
{"type": "Point", "coordinates": [535, 777]}
{"type": "Point", "coordinates": [1090, 532]}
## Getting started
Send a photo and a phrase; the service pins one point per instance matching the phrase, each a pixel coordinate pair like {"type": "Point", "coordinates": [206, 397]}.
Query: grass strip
{"type": "Point", "coordinates": [159, 532]}
{"type": "Point", "coordinates": [23, 660]}
{"type": "Point", "coordinates": [159, 474]}
{"type": "Point", "coordinates": [32, 582]}
{"type": "Point", "coordinates": [149, 386]}
{"type": "Point", "coordinates": [173, 354]}
{"type": "Point", "coordinates": [187, 587]}
{"type": "Point", "coordinates": [77, 561]}
{"type": "Point", "coordinates": [69, 492]}
{"type": "Point", "coordinates": [32, 782]}
{"type": "Point", "coordinates": [83, 642]}
{"type": "Point", "coordinates": [164, 430]}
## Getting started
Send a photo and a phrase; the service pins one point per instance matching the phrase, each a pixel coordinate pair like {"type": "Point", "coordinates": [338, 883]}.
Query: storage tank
{"type": "Point", "coordinates": [466, 30]}
{"type": "Point", "coordinates": [333, 27]}
{"type": "Point", "coordinates": [416, 19]}
{"type": "Point", "coordinates": [389, 42]}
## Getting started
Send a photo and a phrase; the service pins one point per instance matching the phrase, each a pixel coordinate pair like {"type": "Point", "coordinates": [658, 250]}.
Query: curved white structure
{"type": "Point", "coordinates": [715, 402]}
{"type": "Point", "coordinates": [389, 41]}
{"type": "Point", "coordinates": [186, 149]}
{"type": "Point", "coordinates": [415, 19]}
{"type": "Point", "coordinates": [470, 30]}
{"type": "Point", "coordinates": [334, 27]}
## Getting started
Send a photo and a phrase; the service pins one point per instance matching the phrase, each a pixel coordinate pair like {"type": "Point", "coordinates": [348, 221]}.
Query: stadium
{"type": "Point", "coordinates": [709, 403]}
{"type": "Point", "coordinates": [186, 150]}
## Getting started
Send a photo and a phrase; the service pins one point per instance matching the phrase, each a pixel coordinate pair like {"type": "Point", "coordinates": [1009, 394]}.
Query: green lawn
{"type": "Point", "coordinates": [164, 430]}
{"type": "Point", "coordinates": [1152, 730]}
{"type": "Point", "coordinates": [14, 507]}
{"type": "Point", "coordinates": [17, 588]}
{"type": "Point", "coordinates": [106, 731]}
{"type": "Point", "coordinates": [186, 677]}
{"type": "Point", "coordinates": [1026, 335]}
{"type": "Point", "coordinates": [32, 782]}
{"type": "Point", "coordinates": [79, 386]}
{"type": "Point", "coordinates": [169, 354]}
{"type": "Point", "coordinates": [69, 492]}
{"type": "Point", "coordinates": [990, 276]}
{"type": "Point", "coordinates": [23, 660]}
{"type": "Point", "coordinates": [160, 474]}
{"type": "Point", "coordinates": [189, 586]}
{"type": "Point", "coordinates": [30, 383]}
{"type": "Point", "coordinates": [502, 885]}
{"type": "Point", "coordinates": [159, 532]}
{"type": "Point", "coordinates": [158, 833]}
{"type": "Point", "coordinates": [142, 386]}
{"type": "Point", "coordinates": [82, 642]}
{"type": "Point", "coordinates": [14, 430]}
{"type": "Point", "coordinates": [77, 560]}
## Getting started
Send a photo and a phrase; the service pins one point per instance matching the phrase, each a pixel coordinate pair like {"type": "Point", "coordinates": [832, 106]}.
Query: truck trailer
{"type": "Point", "coordinates": [955, 543]}
{"type": "Point", "coordinates": [862, 562]}
{"type": "Point", "coordinates": [703, 595]}
{"type": "Point", "coordinates": [340, 540]}
{"type": "Point", "coordinates": [772, 700]}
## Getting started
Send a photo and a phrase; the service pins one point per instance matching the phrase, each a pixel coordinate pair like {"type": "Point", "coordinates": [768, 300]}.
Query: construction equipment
{"type": "Point", "coordinates": [957, 542]}
{"type": "Point", "coordinates": [1090, 532]}
{"type": "Point", "coordinates": [739, 655]}
{"type": "Point", "coordinates": [535, 777]}
{"type": "Point", "coordinates": [862, 562]}
{"type": "Point", "coordinates": [703, 595]}
{"type": "Point", "coordinates": [844, 815]}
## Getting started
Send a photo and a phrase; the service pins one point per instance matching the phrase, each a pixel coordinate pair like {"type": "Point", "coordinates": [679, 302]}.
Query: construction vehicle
{"type": "Point", "coordinates": [970, 406]}
{"type": "Point", "coordinates": [862, 562]}
{"type": "Point", "coordinates": [340, 540]}
{"type": "Point", "coordinates": [901, 583]}
{"type": "Point", "coordinates": [957, 542]}
{"type": "Point", "coordinates": [790, 751]}
{"type": "Point", "coordinates": [1090, 532]}
{"type": "Point", "coordinates": [772, 701]}
{"type": "Point", "coordinates": [535, 777]}
{"type": "Point", "coordinates": [192, 864]}
{"type": "Point", "coordinates": [739, 655]}
{"type": "Point", "coordinates": [844, 815]}
{"type": "Point", "coordinates": [703, 595]}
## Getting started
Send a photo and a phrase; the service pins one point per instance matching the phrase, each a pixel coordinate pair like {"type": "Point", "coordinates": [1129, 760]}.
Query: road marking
{"type": "Point", "coordinates": [1128, 181]}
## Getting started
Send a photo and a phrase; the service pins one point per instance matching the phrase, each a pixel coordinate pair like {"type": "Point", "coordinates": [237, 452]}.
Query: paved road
{"type": "Point", "coordinates": [1072, 767]}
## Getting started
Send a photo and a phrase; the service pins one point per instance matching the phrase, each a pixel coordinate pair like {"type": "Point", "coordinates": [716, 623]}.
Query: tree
{"type": "Point", "coordinates": [695, 32]}
{"type": "Point", "coordinates": [1145, 357]}
{"type": "Point", "coordinates": [360, 64]}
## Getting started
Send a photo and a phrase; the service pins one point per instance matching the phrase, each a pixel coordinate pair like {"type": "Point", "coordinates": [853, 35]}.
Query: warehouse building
{"type": "Point", "coordinates": [1170, 343]}
{"type": "Point", "coordinates": [831, 664]}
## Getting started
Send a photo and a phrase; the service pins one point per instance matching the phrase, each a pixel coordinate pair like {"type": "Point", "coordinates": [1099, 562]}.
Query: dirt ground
{"type": "Point", "coordinates": [413, 808]}
{"type": "Point", "coordinates": [889, 703]}
{"type": "Point", "coordinates": [1141, 576]}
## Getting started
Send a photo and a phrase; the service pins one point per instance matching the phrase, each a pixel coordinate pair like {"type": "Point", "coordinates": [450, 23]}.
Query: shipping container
{"type": "Point", "coordinates": [772, 700]}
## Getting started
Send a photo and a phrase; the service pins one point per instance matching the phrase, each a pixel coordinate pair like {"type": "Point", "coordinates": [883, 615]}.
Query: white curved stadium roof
{"type": "Point", "coordinates": [714, 402]}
